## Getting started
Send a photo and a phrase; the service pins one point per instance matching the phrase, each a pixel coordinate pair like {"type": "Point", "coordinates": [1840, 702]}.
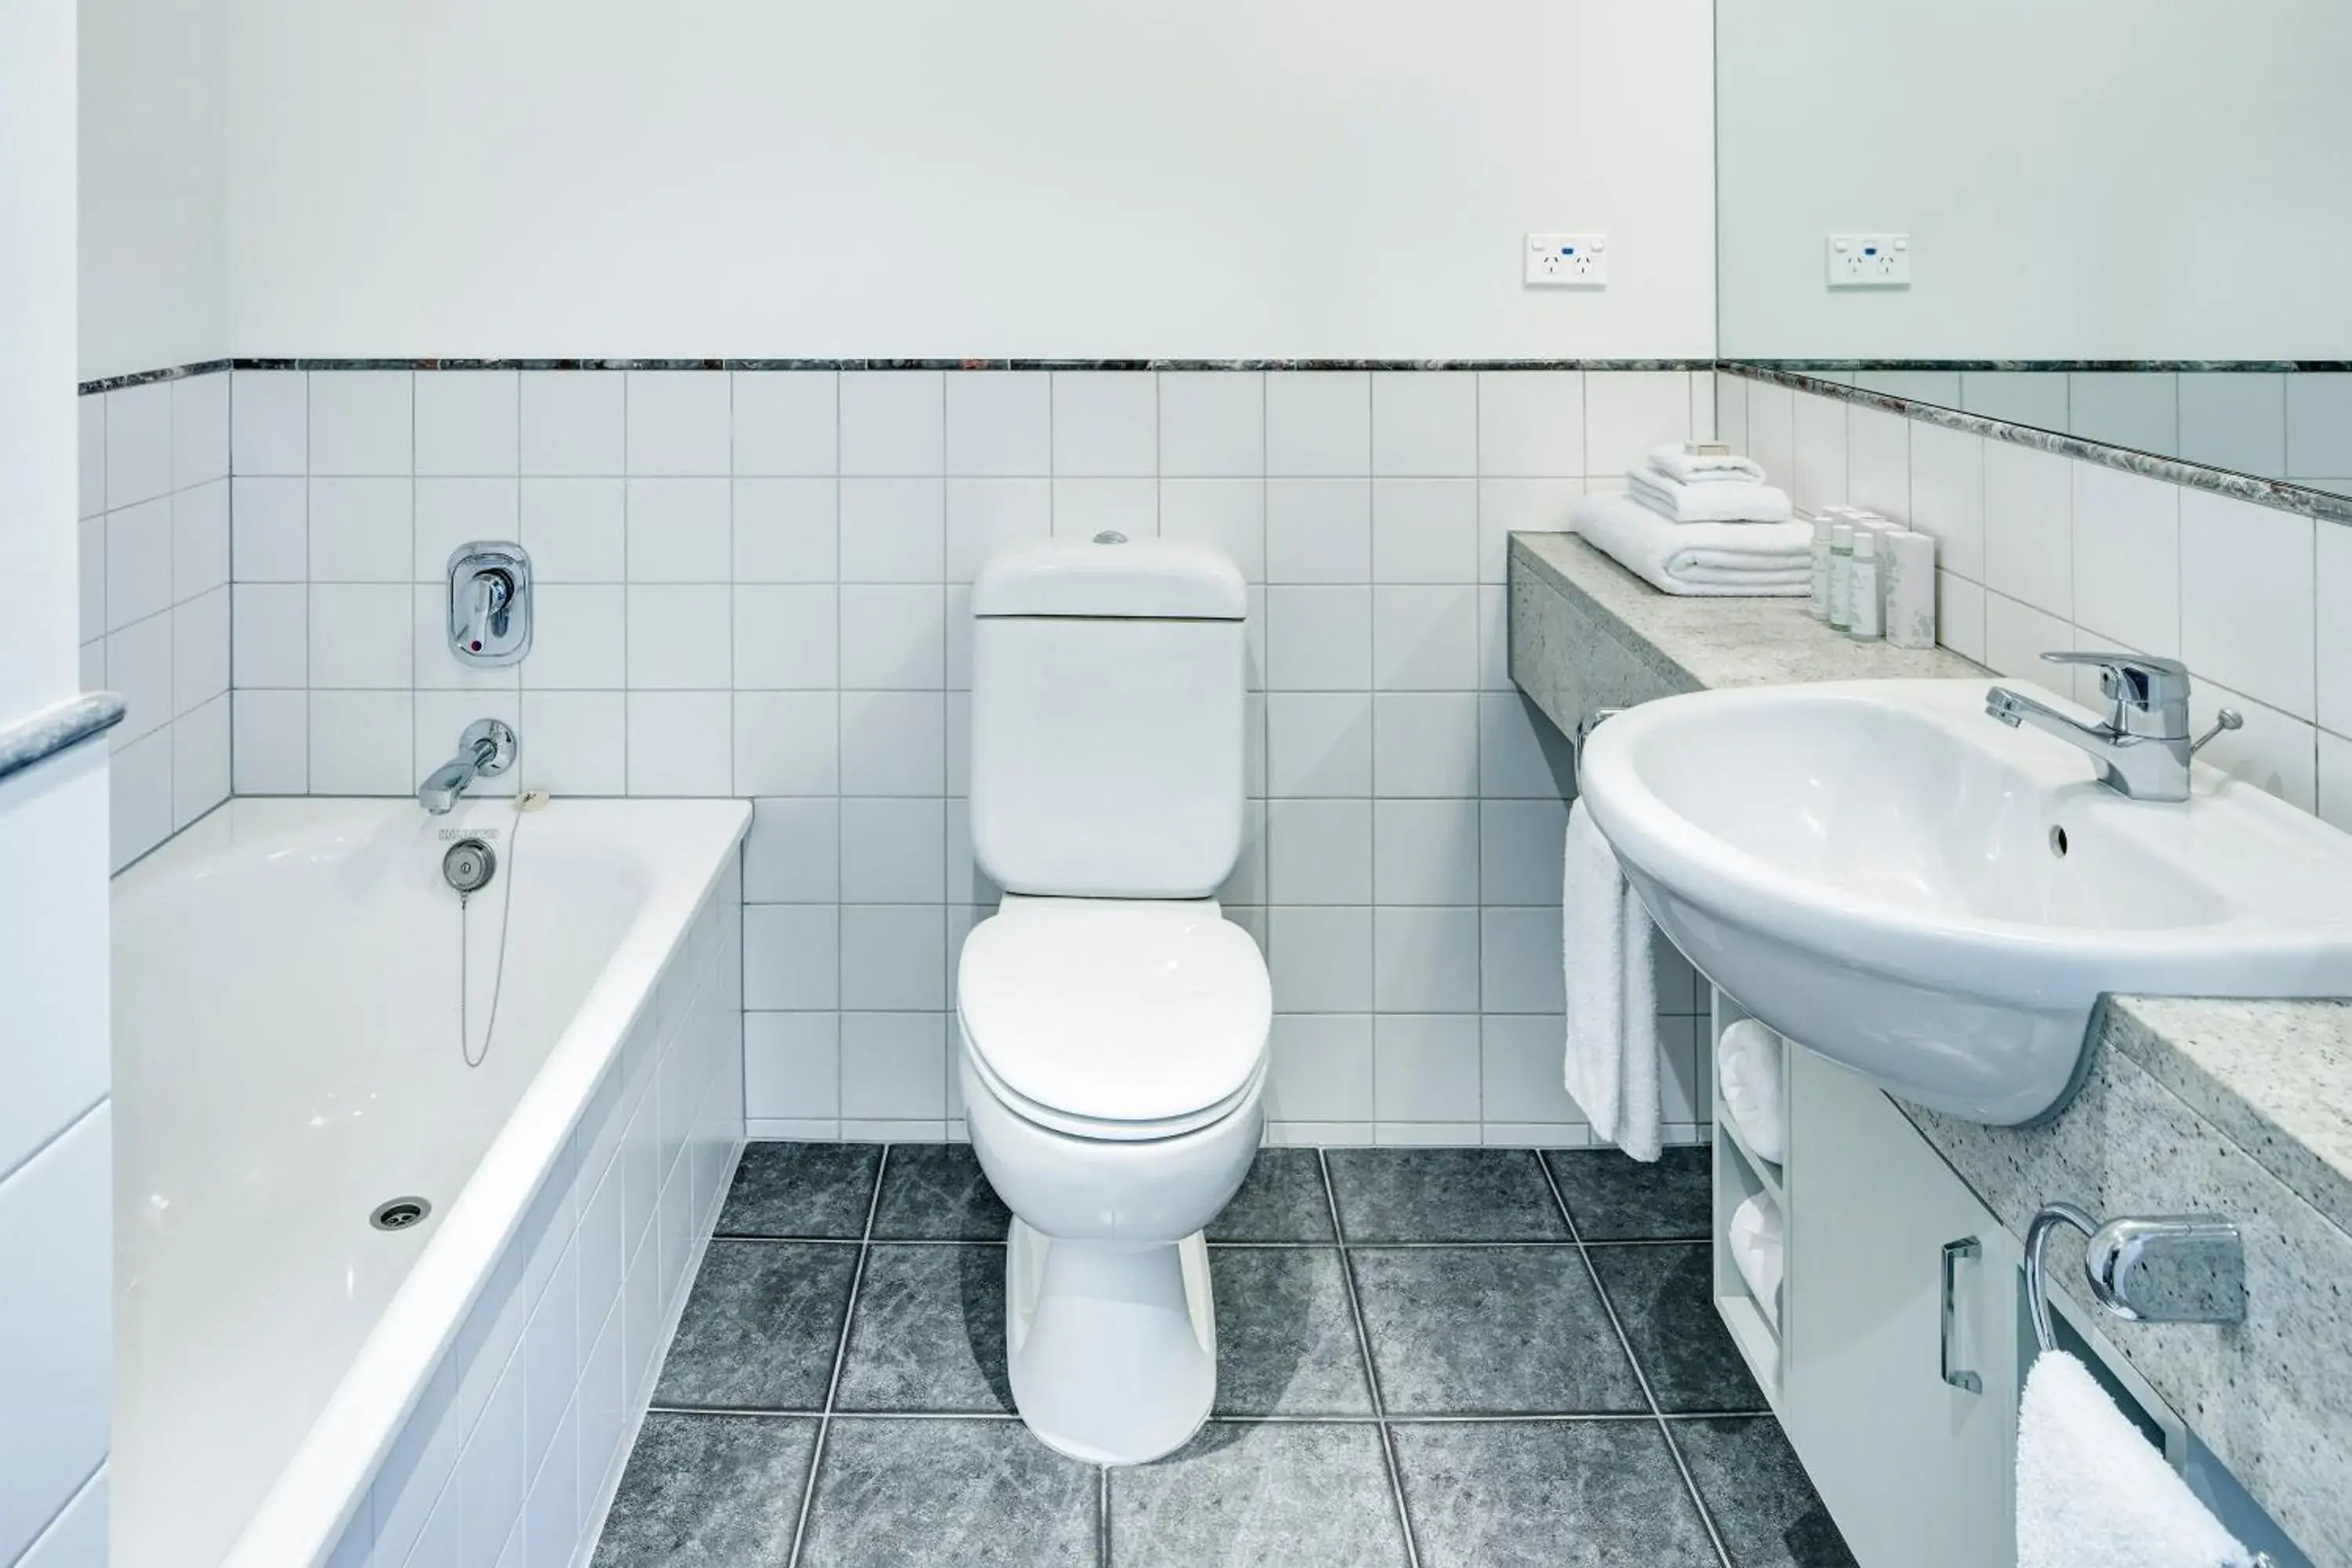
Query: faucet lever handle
{"type": "Point", "coordinates": [2137, 683]}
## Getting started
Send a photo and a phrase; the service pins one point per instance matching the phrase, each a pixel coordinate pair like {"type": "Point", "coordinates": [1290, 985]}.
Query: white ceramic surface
{"type": "Point", "coordinates": [287, 1056]}
{"type": "Point", "coordinates": [1873, 868]}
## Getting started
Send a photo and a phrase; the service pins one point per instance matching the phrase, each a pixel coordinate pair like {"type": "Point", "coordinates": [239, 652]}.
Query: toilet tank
{"type": "Point", "coordinates": [1107, 681]}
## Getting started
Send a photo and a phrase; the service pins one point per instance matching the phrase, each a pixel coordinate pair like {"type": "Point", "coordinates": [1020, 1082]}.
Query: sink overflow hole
{"type": "Point", "coordinates": [399, 1213]}
{"type": "Point", "coordinates": [2058, 842]}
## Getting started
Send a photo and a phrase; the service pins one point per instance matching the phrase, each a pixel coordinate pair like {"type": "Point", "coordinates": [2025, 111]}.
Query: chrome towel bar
{"type": "Point", "coordinates": [2158, 1268]}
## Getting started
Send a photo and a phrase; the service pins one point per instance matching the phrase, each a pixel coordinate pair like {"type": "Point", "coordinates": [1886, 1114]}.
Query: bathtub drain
{"type": "Point", "coordinates": [399, 1213]}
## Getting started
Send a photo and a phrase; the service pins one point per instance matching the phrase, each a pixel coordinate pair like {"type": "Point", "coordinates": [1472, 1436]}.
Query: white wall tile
{"type": "Point", "coordinates": [2274, 750]}
{"type": "Point", "coordinates": [199, 429]}
{"type": "Point", "coordinates": [360, 635]}
{"type": "Point", "coordinates": [2246, 609]}
{"type": "Point", "coordinates": [1960, 616]}
{"type": "Point", "coordinates": [1627, 412]}
{"type": "Point", "coordinates": [1731, 409]}
{"type": "Point", "coordinates": [893, 1065]}
{"type": "Point", "coordinates": [792, 854]}
{"type": "Point", "coordinates": [1521, 754]}
{"type": "Point", "coordinates": [1878, 461]}
{"type": "Point", "coordinates": [681, 742]}
{"type": "Point", "coordinates": [1820, 432]}
{"type": "Point", "coordinates": [270, 422]}
{"type": "Point", "coordinates": [1320, 743]}
{"type": "Point", "coordinates": [361, 742]}
{"type": "Point", "coordinates": [1425, 743]}
{"type": "Point", "coordinates": [681, 530]}
{"type": "Point", "coordinates": [792, 1064]}
{"type": "Point", "coordinates": [1211, 423]}
{"type": "Point", "coordinates": [361, 530]}
{"type": "Point", "coordinates": [139, 666]}
{"type": "Point", "coordinates": [1320, 851]}
{"type": "Point", "coordinates": [1083, 508]}
{"type": "Point", "coordinates": [1425, 1068]}
{"type": "Point", "coordinates": [138, 444]}
{"type": "Point", "coordinates": [1320, 958]}
{"type": "Point", "coordinates": [1530, 422]}
{"type": "Point", "coordinates": [573, 422]}
{"type": "Point", "coordinates": [1424, 531]}
{"type": "Point", "coordinates": [2333, 577]}
{"type": "Point", "coordinates": [679, 422]}
{"type": "Point", "coordinates": [2126, 408]}
{"type": "Point", "coordinates": [1425, 852]}
{"type": "Point", "coordinates": [2127, 540]}
{"type": "Point", "coordinates": [577, 530]}
{"type": "Point", "coordinates": [891, 851]}
{"type": "Point", "coordinates": [2017, 635]}
{"type": "Point", "coordinates": [786, 422]}
{"type": "Point", "coordinates": [451, 513]}
{"type": "Point", "coordinates": [985, 515]}
{"type": "Point", "coordinates": [1948, 495]}
{"type": "Point", "coordinates": [1318, 424]}
{"type": "Point", "coordinates": [200, 545]}
{"type": "Point", "coordinates": [1518, 506]}
{"type": "Point", "coordinates": [1494, 638]}
{"type": "Point", "coordinates": [1000, 422]}
{"type": "Point", "coordinates": [893, 637]}
{"type": "Point", "coordinates": [1519, 961]}
{"type": "Point", "coordinates": [1106, 423]}
{"type": "Point", "coordinates": [2028, 526]}
{"type": "Point", "coordinates": [200, 650]}
{"type": "Point", "coordinates": [468, 422]}
{"type": "Point", "coordinates": [893, 531]}
{"type": "Point", "coordinates": [89, 413]}
{"type": "Point", "coordinates": [90, 580]}
{"type": "Point", "coordinates": [1772, 430]}
{"type": "Point", "coordinates": [786, 637]}
{"type": "Point", "coordinates": [1424, 423]}
{"type": "Point", "coordinates": [2318, 425]}
{"type": "Point", "coordinates": [893, 423]}
{"type": "Point", "coordinates": [361, 422]}
{"type": "Point", "coordinates": [1318, 530]}
{"type": "Point", "coordinates": [893, 957]}
{"type": "Point", "coordinates": [787, 530]}
{"type": "Point", "coordinates": [1318, 638]}
{"type": "Point", "coordinates": [2335, 782]}
{"type": "Point", "coordinates": [577, 741]}
{"type": "Point", "coordinates": [139, 803]}
{"type": "Point", "coordinates": [2234, 420]}
{"type": "Point", "coordinates": [1320, 1067]}
{"type": "Point", "coordinates": [680, 637]}
{"type": "Point", "coordinates": [1227, 514]}
{"type": "Point", "coordinates": [138, 562]}
{"type": "Point", "coordinates": [893, 743]}
{"type": "Point", "coordinates": [1426, 960]}
{"type": "Point", "coordinates": [1425, 638]}
{"type": "Point", "coordinates": [787, 742]}
{"type": "Point", "coordinates": [580, 639]}
{"type": "Point", "coordinates": [1519, 851]}
{"type": "Point", "coordinates": [269, 746]}
{"type": "Point", "coordinates": [1519, 1062]}
{"type": "Point", "coordinates": [2037, 398]}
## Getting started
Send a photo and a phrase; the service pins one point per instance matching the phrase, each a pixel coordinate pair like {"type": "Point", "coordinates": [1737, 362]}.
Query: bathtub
{"type": "Point", "coordinates": [295, 1384]}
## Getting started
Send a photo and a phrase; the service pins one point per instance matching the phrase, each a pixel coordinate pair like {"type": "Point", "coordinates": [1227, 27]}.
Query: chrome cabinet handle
{"type": "Point", "coordinates": [1968, 1247]}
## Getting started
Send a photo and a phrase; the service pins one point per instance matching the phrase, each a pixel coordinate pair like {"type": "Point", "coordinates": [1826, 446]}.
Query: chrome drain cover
{"type": "Point", "coordinates": [399, 1213]}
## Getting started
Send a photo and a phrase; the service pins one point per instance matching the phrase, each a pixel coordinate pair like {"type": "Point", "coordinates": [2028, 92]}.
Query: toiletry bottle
{"type": "Point", "coordinates": [1910, 566]}
{"type": "Point", "coordinates": [1841, 576]}
{"type": "Point", "coordinates": [1818, 607]}
{"type": "Point", "coordinates": [1865, 614]}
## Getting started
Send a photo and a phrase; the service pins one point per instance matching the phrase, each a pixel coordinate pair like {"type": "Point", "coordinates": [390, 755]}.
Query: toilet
{"type": "Point", "coordinates": [1112, 1022]}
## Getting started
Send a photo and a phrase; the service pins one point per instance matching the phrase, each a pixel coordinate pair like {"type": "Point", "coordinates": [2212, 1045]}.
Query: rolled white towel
{"type": "Point", "coordinates": [1748, 1066]}
{"type": "Point", "coordinates": [1735, 560]}
{"type": "Point", "coordinates": [1746, 501]}
{"type": "Point", "coordinates": [1755, 1240]}
{"type": "Point", "coordinates": [1705, 468]}
{"type": "Point", "coordinates": [2092, 1493]}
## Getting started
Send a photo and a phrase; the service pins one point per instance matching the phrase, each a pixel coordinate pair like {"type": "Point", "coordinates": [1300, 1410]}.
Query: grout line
{"type": "Point", "coordinates": [1372, 1373]}
{"type": "Point", "coordinates": [840, 1356]}
{"type": "Point", "coordinates": [1673, 1450]}
{"type": "Point", "coordinates": [1102, 1516]}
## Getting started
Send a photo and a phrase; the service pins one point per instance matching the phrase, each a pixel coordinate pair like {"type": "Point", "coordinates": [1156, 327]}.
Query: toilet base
{"type": "Point", "coordinates": [1112, 1348]}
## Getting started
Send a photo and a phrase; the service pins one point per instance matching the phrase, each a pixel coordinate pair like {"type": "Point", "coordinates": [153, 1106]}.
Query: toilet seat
{"type": "Point", "coordinates": [1115, 1019]}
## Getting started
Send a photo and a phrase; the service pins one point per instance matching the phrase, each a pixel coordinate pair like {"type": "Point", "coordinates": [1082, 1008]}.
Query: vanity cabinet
{"type": "Point", "coordinates": [1895, 1275]}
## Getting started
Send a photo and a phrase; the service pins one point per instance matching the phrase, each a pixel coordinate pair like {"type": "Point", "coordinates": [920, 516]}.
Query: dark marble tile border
{"type": "Point", "coordinates": [2282, 494]}
{"type": "Point", "coordinates": [2147, 366]}
{"type": "Point", "coordinates": [54, 729]}
{"type": "Point", "coordinates": [141, 377]}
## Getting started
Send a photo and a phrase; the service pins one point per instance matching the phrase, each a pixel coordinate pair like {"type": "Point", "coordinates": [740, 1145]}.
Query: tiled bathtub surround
{"type": "Point", "coordinates": [155, 597]}
{"type": "Point", "coordinates": [516, 1442]}
{"type": "Point", "coordinates": [2041, 550]}
{"type": "Point", "coordinates": [756, 582]}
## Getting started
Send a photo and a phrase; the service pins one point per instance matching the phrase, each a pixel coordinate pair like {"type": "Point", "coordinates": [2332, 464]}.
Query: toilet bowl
{"type": "Point", "coordinates": [1113, 1064]}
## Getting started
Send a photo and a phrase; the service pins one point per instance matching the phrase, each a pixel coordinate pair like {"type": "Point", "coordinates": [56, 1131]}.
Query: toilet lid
{"type": "Point", "coordinates": [1113, 1010]}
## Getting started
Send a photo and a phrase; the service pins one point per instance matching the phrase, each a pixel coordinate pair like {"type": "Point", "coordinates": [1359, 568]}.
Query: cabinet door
{"type": "Point", "coordinates": [1915, 1471]}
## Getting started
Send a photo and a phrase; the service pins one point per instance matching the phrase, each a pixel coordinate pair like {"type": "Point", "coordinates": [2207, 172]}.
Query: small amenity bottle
{"type": "Point", "coordinates": [1841, 576]}
{"type": "Point", "coordinates": [1865, 618]}
{"type": "Point", "coordinates": [1910, 570]}
{"type": "Point", "coordinates": [1818, 607]}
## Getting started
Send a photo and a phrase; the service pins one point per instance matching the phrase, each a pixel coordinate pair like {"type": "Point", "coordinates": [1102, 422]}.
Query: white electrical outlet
{"type": "Point", "coordinates": [1870, 261]}
{"type": "Point", "coordinates": [1568, 260]}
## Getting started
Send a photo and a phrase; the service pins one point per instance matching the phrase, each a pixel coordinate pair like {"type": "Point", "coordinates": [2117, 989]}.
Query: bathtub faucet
{"type": "Point", "coordinates": [484, 751]}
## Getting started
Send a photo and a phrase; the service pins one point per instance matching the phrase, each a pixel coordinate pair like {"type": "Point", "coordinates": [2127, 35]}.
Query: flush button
{"type": "Point", "coordinates": [1110, 536]}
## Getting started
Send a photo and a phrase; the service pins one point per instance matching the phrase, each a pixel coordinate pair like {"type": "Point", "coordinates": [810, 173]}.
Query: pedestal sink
{"type": "Point", "coordinates": [1889, 877]}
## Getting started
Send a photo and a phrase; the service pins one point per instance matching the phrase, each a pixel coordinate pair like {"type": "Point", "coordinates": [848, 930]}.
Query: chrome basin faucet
{"type": "Point", "coordinates": [2142, 746]}
{"type": "Point", "coordinates": [484, 751]}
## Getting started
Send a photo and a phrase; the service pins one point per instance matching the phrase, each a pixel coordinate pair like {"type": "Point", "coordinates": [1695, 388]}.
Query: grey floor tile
{"type": "Point", "coordinates": [1444, 1195]}
{"type": "Point", "coordinates": [1282, 1200]}
{"type": "Point", "coordinates": [1663, 1295]}
{"type": "Point", "coordinates": [720, 1491]}
{"type": "Point", "coordinates": [929, 1332]}
{"type": "Point", "coordinates": [1259, 1493]}
{"type": "Point", "coordinates": [1286, 1340]}
{"type": "Point", "coordinates": [1550, 1494]}
{"type": "Point", "coordinates": [802, 1189]}
{"type": "Point", "coordinates": [761, 1328]}
{"type": "Point", "coordinates": [937, 1192]}
{"type": "Point", "coordinates": [911, 1493]}
{"type": "Point", "coordinates": [1490, 1330]}
{"type": "Point", "coordinates": [1764, 1508]}
{"type": "Point", "coordinates": [1613, 1198]}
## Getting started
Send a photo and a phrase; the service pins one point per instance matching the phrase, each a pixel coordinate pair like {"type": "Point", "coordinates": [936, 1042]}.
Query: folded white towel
{"type": "Point", "coordinates": [2091, 1493]}
{"type": "Point", "coordinates": [1723, 559]}
{"type": "Point", "coordinates": [1613, 995]}
{"type": "Point", "coordinates": [1697, 468]}
{"type": "Point", "coordinates": [1746, 501]}
{"type": "Point", "coordinates": [1748, 1066]}
{"type": "Point", "coordinates": [1756, 1241]}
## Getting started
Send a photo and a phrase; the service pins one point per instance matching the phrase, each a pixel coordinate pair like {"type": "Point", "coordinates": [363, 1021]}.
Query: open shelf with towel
{"type": "Point", "coordinates": [1742, 1175]}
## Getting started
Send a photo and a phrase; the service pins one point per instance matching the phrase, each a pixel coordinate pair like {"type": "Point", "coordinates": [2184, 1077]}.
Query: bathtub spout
{"type": "Point", "coordinates": [487, 750]}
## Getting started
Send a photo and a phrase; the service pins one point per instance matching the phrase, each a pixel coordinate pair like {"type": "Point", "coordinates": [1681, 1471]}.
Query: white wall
{"type": "Point", "coordinates": [2124, 179]}
{"type": "Point", "coordinates": [929, 177]}
{"type": "Point", "coordinates": [55, 1131]}
{"type": "Point", "coordinates": [153, 167]}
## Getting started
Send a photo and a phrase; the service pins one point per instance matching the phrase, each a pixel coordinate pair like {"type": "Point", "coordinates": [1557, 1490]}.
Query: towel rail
{"type": "Point", "coordinates": [1584, 728]}
{"type": "Point", "coordinates": [2159, 1268]}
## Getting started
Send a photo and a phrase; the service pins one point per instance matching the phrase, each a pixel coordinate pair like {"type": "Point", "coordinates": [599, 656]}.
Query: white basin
{"type": "Point", "coordinates": [1874, 868]}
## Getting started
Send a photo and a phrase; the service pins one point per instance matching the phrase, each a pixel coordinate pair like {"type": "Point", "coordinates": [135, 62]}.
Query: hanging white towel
{"type": "Point", "coordinates": [1745, 502]}
{"type": "Point", "coordinates": [1754, 1240]}
{"type": "Point", "coordinates": [1722, 560]}
{"type": "Point", "coordinates": [1613, 1006]}
{"type": "Point", "coordinates": [1748, 1066]}
{"type": "Point", "coordinates": [2091, 1493]}
{"type": "Point", "coordinates": [1705, 468]}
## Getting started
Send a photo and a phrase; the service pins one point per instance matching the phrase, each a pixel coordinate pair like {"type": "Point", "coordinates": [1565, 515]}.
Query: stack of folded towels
{"type": "Point", "coordinates": [1700, 520]}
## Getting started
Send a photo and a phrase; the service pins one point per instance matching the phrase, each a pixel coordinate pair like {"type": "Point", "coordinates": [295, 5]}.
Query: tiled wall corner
{"type": "Point", "coordinates": [515, 1446]}
{"type": "Point", "coordinates": [2039, 551]}
{"type": "Point", "coordinates": [155, 597]}
{"type": "Point", "coordinates": [756, 583]}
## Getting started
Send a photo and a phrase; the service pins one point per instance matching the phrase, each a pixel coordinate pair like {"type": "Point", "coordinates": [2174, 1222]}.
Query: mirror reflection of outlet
{"type": "Point", "coordinates": [1870, 261]}
{"type": "Point", "coordinates": [1568, 260]}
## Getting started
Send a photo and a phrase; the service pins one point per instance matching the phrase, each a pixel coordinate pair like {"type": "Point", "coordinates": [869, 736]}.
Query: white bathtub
{"type": "Point", "coordinates": [293, 1384]}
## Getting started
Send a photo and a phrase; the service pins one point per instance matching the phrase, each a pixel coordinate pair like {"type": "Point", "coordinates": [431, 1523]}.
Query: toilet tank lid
{"type": "Point", "coordinates": [1112, 575]}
